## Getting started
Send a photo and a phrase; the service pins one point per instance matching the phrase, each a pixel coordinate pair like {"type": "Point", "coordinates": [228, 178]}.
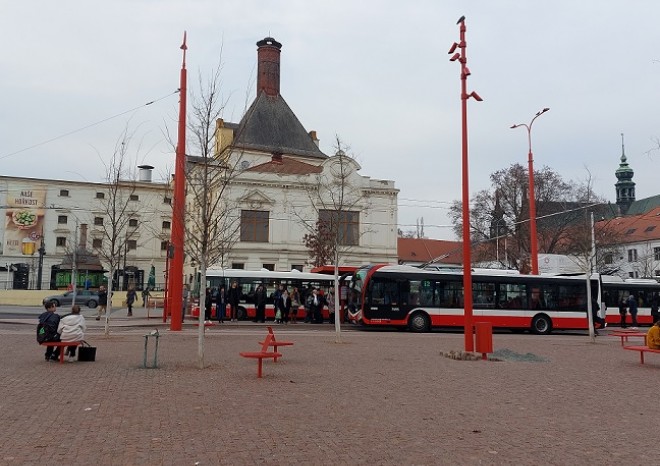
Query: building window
{"type": "Point", "coordinates": [254, 225]}
{"type": "Point", "coordinates": [100, 195]}
{"type": "Point", "coordinates": [608, 259]}
{"type": "Point", "coordinates": [657, 273]}
{"type": "Point", "coordinates": [132, 222]}
{"type": "Point", "coordinates": [270, 267]}
{"type": "Point", "coordinates": [299, 268]}
{"type": "Point", "coordinates": [97, 243]}
{"type": "Point", "coordinates": [64, 193]}
{"type": "Point", "coordinates": [166, 225]}
{"type": "Point", "coordinates": [131, 244]}
{"type": "Point", "coordinates": [649, 228]}
{"type": "Point", "coordinates": [633, 274]}
{"type": "Point", "coordinates": [632, 255]}
{"type": "Point", "coordinates": [163, 245]}
{"type": "Point", "coordinates": [630, 231]}
{"type": "Point", "coordinates": [167, 200]}
{"type": "Point", "coordinates": [238, 265]}
{"type": "Point", "coordinates": [98, 221]}
{"type": "Point", "coordinates": [60, 241]}
{"type": "Point", "coordinates": [134, 197]}
{"type": "Point", "coordinates": [656, 254]}
{"type": "Point", "coordinates": [347, 224]}
{"type": "Point", "coordinates": [62, 219]}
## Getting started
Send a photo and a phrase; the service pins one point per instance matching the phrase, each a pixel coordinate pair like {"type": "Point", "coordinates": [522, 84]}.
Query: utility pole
{"type": "Point", "coordinates": [73, 265]}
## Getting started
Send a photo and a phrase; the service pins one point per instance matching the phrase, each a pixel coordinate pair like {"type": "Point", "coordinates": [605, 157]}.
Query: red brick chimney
{"type": "Point", "coordinates": [268, 68]}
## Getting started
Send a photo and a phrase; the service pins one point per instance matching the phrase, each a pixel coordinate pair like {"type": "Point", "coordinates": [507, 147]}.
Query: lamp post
{"type": "Point", "coordinates": [533, 246]}
{"type": "Point", "coordinates": [467, 260]}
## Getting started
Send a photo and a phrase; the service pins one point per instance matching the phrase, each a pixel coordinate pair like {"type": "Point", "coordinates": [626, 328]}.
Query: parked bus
{"type": "Point", "coordinates": [405, 296]}
{"type": "Point", "coordinates": [616, 289]}
{"type": "Point", "coordinates": [248, 280]}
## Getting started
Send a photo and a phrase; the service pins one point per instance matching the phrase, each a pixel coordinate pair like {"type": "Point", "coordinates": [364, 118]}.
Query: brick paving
{"type": "Point", "coordinates": [377, 398]}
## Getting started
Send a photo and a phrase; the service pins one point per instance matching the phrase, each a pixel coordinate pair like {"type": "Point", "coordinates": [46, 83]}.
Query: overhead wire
{"type": "Point", "coordinates": [39, 144]}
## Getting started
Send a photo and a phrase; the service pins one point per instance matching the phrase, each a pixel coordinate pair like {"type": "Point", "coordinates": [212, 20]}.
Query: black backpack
{"type": "Point", "coordinates": [44, 331]}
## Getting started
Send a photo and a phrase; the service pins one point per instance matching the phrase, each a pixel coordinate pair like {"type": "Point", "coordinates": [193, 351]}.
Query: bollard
{"type": "Point", "coordinates": [484, 331]}
{"type": "Point", "coordinates": [146, 344]}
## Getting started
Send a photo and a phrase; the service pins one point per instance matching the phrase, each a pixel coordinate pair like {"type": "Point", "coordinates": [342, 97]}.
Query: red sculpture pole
{"type": "Point", "coordinates": [175, 274]}
{"type": "Point", "coordinates": [467, 259]}
{"type": "Point", "coordinates": [533, 241]}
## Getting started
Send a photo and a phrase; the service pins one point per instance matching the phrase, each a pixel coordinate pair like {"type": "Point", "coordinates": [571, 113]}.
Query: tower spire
{"type": "Point", "coordinates": [625, 186]}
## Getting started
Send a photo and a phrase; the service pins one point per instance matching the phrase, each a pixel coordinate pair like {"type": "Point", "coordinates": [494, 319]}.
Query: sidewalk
{"type": "Point", "coordinates": [377, 398]}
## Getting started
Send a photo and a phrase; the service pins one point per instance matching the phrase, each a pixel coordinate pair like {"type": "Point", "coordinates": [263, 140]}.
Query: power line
{"type": "Point", "coordinates": [87, 126]}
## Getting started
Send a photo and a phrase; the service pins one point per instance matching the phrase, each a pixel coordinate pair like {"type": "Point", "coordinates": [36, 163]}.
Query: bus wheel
{"type": "Point", "coordinates": [241, 313]}
{"type": "Point", "coordinates": [419, 322]}
{"type": "Point", "coordinates": [541, 325]}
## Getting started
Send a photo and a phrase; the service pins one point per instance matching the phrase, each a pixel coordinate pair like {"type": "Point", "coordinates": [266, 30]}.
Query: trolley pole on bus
{"type": "Point", "coordinates": [467, 260]}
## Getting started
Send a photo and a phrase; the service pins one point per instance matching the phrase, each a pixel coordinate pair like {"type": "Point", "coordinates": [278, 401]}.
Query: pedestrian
{"type": "Point", "coordinates": [632, 308]}
{"type": "Point", "coordinates": [655, 305]}
{"type": "Point", "coordinates": [207, 306]}
{"type": "Point", "coordinates": [234, 297]}
{"type": "Point", "coordinates": [103, 301]}
{"type": "Point", "coordinates": [220, 300]}
{"type": "Point", "coordinates": [315, 302]}
{"type": "Point", "coordinates": [331, 306]}
{"type": "Point", "coordinates": [295, 305]}
{"type": "Point", "coordinates": [260, 298]}
{"type": "Point", "coordinates": [72, 328]}
{"type": "Point", "coordinates": [131, 297]}
{"type": "Point", "coordinates": [285, 304]}
{"type": "Point", "coordinates": [596, 318]}
{"type": "Point", "coordinates": [653, 336]}
{"type": "Point", "coordinates": [184, 302]}
{"type": "Point", "coordinates": [49, 321]}
{"type": "Point", "coordinates": [145, 296]}
{"type": "Point", "coordinates": [622, 311]}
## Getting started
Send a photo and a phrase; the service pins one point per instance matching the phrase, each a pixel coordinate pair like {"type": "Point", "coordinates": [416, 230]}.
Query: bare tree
{"type": "Point", "coordinates": [337, 200]}
{"type": "Point", "coordinates": [118, 206]}
{"type": "Point", "coordinates": [211, 222]}
{"type": "Point", "coordinates": [503, 211]}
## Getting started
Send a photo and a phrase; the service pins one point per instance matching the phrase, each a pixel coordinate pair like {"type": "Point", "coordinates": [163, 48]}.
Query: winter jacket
{"type": "Point", "coordinates": [653, 337]}
{"type": "Point", "coordinates": [50, 321]}
{"type": "Point", "coordinates": [72, 328]}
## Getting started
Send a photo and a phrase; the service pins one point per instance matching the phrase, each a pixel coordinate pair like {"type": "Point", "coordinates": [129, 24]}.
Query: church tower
{"type": "Point", "coordinates": [625, 186]}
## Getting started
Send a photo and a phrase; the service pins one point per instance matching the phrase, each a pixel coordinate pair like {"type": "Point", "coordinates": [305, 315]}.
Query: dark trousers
{"type": "Point", "coordinates": [220, 310]}
{"type": "Point", "coordinates": [207, 312]}
{"type": "Point", "coordinates": [71, 351]}
{"type": "Point", "coordinates": [623, 319]}
{"type": "Point", "coordinates": [634, 318]}
{"type": "Point", "coordinates": [260, 316]}
{"type": "Point", "coordinates": [234, 311]}
{"type": "Point", "coordinates": [53, 352]}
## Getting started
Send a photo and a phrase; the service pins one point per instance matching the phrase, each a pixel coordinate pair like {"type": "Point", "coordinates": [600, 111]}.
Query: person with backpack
{"type": "Point", "coordinates": [47, 330]}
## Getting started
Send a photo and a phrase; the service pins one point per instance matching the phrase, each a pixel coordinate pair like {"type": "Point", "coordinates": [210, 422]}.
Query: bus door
{"type": "Point", "coordinates": [385, 302]}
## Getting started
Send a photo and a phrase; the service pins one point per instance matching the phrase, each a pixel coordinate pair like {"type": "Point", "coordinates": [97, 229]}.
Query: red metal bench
{"type": "Point", "coordinates": [626, 335]}
{"type": "Point", "coordinates": [642, 350]}
{"type": "Point", "coordinates": [62, 345]}
{"type": "Point", "coordinates": [263, 354]}
{"type": "Point", "coordinates": [275, 342]}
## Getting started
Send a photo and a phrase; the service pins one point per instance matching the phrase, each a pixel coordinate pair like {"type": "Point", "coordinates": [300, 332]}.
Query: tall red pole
{"type": "Point", "coordinates": [533, 240]}
{"type": "Point", "coordinates": [175, 275]}
{"type": "Point", "coordinates": [467, 259]}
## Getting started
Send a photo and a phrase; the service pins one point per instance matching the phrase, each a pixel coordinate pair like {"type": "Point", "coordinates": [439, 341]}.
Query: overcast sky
{"type": "Point", "coordinates": [376, 73]}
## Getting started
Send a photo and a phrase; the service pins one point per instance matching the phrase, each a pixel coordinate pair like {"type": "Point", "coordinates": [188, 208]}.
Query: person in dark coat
{"type": "Point", "coordinates": [234, 297]}
{"type": "Point", "coordinates": [220, 300]}
{"type": "Point", "coordinates": [316, 301]}
{"type": "Point", "coordinates": [260, 298]}
{"type": "Point", "coordinates": [50, 320]}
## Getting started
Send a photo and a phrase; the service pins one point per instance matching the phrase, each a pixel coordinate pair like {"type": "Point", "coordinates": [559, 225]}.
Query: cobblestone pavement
{"type": "Point", "coordinates": [376, 398]}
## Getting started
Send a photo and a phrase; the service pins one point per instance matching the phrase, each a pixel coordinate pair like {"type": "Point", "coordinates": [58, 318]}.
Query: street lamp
{"type": "Point", "coordinates": [534, 249]}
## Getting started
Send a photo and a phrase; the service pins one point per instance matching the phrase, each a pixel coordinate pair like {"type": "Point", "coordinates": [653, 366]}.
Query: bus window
{"type": "Point", "coordinates": [450, 294]}
{"type": "Point", "coordinates": [512, 295]}
{"type": "Point", "coordinates": [483, 295]}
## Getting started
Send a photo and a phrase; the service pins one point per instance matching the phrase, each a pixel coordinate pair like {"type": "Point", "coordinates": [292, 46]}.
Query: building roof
{"type": "Point", "coordinates": [423, 250]}
{"type": "Point", "coordinates": [285, 166]}
{"type": "Point", "coordinates": [638, 228]}
{"type": "Point", "coordinates": [643, 205]}
{"type": "Point", "coordinates": [271, 126]}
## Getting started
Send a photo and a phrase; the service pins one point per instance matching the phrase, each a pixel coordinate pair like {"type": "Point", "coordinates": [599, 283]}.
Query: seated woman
{"type": "Point", "coordinates": [653, 336]}
{"type": "Point", "coordinates": [72, 328]}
